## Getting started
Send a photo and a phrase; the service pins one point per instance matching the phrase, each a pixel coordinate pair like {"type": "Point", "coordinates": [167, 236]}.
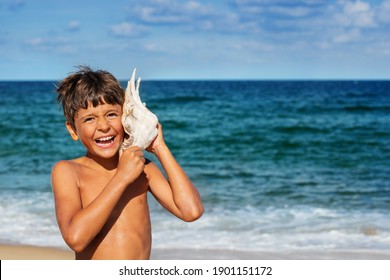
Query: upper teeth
{"type": "Point", "coordinates": [105, 138]}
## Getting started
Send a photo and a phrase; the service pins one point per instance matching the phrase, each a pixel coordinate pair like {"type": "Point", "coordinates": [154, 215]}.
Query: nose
{"type": "Point", "coordinates": [103, 125]}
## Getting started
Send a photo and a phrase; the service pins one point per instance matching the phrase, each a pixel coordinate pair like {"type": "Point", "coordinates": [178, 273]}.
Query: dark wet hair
{"type": "Point", "coordinates": [85, 87]}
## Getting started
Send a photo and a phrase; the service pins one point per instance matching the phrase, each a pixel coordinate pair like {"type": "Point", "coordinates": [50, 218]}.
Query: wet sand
{"type": "Point", "coordinates": [26, 252]}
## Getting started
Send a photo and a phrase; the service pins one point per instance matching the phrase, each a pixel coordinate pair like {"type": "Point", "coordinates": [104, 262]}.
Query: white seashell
{"type": "Point", "coordinates": [137, 120]}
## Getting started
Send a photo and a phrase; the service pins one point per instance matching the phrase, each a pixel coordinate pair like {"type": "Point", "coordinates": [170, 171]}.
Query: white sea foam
{"type": "Point", "coordinates": [276, 229]}
{"type": "Point", "coordinates": [31, 220]}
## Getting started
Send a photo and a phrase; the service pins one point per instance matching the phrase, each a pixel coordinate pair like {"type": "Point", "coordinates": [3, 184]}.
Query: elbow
{"type": "Point", "coordinates": [75, 243]}
{"type": "Point", "coordinates": [78, 248]}
{"type": "Point", "coordinates": [194, 214]}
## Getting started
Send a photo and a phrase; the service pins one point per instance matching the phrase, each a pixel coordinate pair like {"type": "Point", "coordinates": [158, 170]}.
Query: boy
{"type": "Point", "coordinates": [101, 198]}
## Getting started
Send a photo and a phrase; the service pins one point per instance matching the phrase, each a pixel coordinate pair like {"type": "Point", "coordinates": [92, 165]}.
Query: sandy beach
{"type": "Point", "coordinates": [26, 252]}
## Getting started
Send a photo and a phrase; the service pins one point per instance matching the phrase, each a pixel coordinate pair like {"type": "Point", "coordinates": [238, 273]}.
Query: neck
{"type": "Point", "coordinates": [108, 164]}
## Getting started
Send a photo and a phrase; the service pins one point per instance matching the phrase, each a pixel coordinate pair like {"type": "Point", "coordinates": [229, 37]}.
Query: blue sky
{"type": "Point", "coordinates": [172, 39]}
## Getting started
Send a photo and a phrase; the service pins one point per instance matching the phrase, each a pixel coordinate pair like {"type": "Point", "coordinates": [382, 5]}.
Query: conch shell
{"type": "Point", "coordinates": [137, 120]}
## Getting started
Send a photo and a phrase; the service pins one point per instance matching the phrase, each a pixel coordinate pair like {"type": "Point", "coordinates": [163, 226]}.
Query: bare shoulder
{"type": "Point", "coordinates": [65, 171]}
{"type": "Point", "coordinates": [65, 166]}
{"type": "Point", "coordinates": [151, 169]}
{"type": "Point", "coordinates": [157, 180]}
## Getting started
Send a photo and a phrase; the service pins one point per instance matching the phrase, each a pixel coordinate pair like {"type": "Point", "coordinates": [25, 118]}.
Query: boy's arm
{"type": "Point", "coordinates": [177, 194]}
{"type": "Point", "coordinates": [80, 225]}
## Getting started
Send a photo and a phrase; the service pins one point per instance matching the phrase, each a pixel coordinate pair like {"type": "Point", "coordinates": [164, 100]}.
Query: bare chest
{"type": "Point", "coordinates": [92, 184]}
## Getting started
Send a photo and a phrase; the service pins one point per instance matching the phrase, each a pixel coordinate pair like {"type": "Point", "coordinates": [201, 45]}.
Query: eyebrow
{"type": "Point", "coordinates": [111, 110]}
{"type": "Point", "coordinates": [87, 116]}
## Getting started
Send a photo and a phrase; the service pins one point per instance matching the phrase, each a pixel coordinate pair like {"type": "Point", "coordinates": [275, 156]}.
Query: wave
{"type": "Point", "coordinates": [29, 217]}
{"type": "Point", "coordinates": [276, 229]}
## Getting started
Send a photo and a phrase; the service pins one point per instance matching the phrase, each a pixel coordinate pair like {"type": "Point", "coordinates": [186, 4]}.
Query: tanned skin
{"type": "Point", "coordinates": [101, 198]}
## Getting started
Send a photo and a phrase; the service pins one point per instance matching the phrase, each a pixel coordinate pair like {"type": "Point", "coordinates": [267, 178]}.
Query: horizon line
{"type": "Point", "coordinates": [218, 80]}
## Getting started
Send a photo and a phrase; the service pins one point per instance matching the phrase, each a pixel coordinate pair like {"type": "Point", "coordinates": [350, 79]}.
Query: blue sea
{"type": "Point", "coordinates": [280, 165]}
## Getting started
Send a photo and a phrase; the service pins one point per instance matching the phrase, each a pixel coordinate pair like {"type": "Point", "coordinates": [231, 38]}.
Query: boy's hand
{"type": "Point", "coordinates": [131, 163]}
{"type": "Point", "coordinates": [158, 141]}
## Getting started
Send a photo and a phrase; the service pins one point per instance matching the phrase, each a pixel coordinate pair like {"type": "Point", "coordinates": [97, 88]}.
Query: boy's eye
{"type": "Point", "coordinates": [112, 115]}
{"type": "Point", "coordinates": [90, 119]}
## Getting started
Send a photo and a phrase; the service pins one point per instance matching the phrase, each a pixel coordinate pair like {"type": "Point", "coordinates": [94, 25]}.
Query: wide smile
{"type": "Point", "coordinates": [105, 142]}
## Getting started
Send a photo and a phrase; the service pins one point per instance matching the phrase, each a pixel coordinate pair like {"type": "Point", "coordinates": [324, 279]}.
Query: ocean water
{"type": "Point", "coordinates": [280, 165]}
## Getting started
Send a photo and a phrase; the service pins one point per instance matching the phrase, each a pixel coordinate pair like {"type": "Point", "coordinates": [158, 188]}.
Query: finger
{"type": "Point", "coordinates": [133, 148]}
{"type": "Point", "coordinates": [139, 153]}
{"type": "Point", "coordinates": [136, 151]}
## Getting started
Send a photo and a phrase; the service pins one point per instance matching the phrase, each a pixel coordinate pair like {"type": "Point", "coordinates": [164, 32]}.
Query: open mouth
{"type": "Point", "coordinates": [105, 142]}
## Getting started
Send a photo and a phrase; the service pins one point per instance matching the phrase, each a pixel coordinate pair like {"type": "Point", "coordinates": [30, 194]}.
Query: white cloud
{"type": "Point", "coordinates": [347, 36]}
{"type": "Point", "coordinates": [356, 14]}
{"type": "Point", "coordinates": [154, 15]}
{"type": "Point", "coordinates": [73, 25]}
{"type": "Point", "coordinates": [50, 44]}
{"type": "Point", "coordinates": [292, 18]}
{"type": "Point", "coordinates": [298, 11]}
{"type": "Point", "coordinates": [347, 21]}
{"type": "Point", "coordinates": [183, 15]}
{"type": "Point", "coordinates": [170, 12]}
{"type": "Point", "coordinates": [200, 33]}
{"type": "Point", "coordinates": [126, 29]}
{"type": "Point", "coordinates": [281, 2]}
{"type": "Point", "coordinates": [253, 46]}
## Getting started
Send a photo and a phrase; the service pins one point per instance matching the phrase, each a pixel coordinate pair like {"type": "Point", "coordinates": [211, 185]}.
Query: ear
{"type": "Point", "coordinates": [72, 131]}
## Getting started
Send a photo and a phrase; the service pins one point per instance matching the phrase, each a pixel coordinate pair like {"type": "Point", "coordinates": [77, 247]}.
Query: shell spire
{"type": "Point", "coordinates": [137, 120]}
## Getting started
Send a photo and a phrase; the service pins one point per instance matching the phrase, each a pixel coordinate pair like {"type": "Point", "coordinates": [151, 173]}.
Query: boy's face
{"type": "Point", "coordinates": [99, 129]}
